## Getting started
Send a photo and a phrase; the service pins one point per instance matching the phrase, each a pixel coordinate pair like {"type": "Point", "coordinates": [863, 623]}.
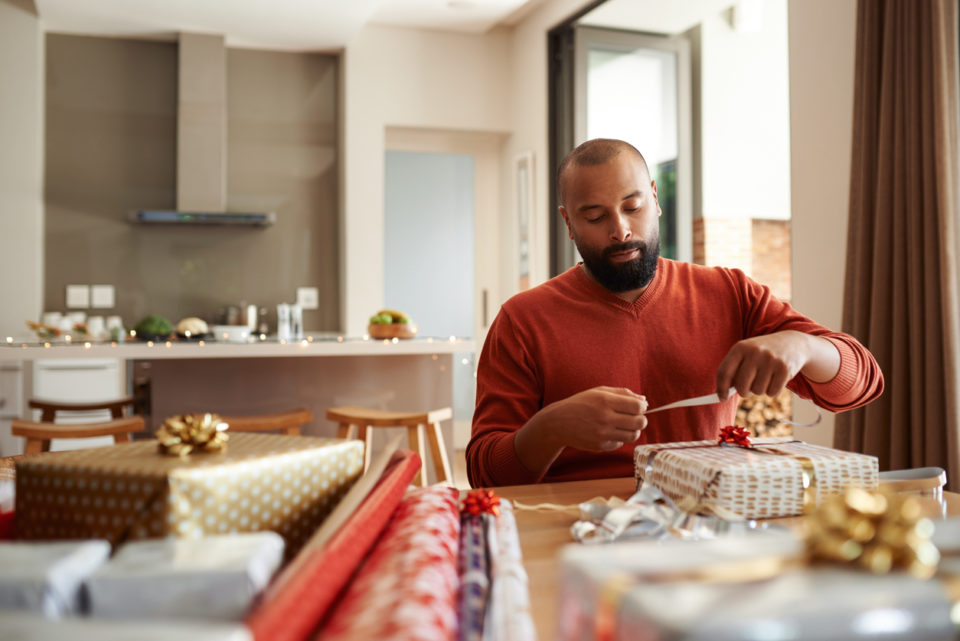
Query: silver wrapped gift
{"type": "Point", "coordinates": [213, 578]}
{"type": "Point", "coordinates": [45, 577]}
{"type": "Point", "coordinates": [746, 586]}
{"type": "Point", "coordinates": [24, 626]}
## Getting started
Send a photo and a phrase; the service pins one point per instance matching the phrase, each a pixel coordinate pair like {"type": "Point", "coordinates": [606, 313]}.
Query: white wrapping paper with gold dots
{"type": "Point", "coordinates": [287, 484]}
{"type": "Point", "coordinates": [764, 482]}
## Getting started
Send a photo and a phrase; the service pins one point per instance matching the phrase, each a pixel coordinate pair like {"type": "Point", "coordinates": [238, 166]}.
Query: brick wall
{"type": "Point", "coordinates": [760, 247]}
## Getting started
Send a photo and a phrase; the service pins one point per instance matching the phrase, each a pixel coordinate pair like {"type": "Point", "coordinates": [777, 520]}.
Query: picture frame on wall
{"type": "Point", "coordinates": [525, 218]}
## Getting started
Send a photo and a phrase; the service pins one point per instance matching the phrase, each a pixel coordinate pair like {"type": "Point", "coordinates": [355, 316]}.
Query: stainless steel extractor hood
{"type": "Point", "coordinates": [202, 140]}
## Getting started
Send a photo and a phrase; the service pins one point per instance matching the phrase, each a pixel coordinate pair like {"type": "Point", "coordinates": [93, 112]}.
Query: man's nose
{"type": "Point", "coordinates": [621, 228]}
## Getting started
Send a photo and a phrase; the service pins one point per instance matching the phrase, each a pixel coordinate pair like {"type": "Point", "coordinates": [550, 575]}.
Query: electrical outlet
{"type": "Point", "coordinates": [308, 297]}
{"type": "Point", "coordinates": [101, 296]}
{"type": "Point", "coordinates": [78, 296]}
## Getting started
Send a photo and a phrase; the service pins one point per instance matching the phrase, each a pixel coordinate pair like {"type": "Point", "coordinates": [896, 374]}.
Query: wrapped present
{"type": "Point", "coordinates": [286, 484]}
{"type": "Point", "coordinates": [213, 578]}
{"type": "Point", "coordinates": [768, 479]}
{"type": "Point", "coordinates": [407, 587]}
{"type": "Point", "coordinates": [738, 587]}
{"type": "Point", "coordinates": [864, 565]}
{"type": "Point", "coordinates": [46, 577]}
{"type": "Point", "coordinates": [26, 626]}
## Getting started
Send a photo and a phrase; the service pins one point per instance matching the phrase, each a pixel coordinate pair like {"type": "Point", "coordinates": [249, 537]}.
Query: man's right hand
{"type": "Point", "coordinates": [597, 419]}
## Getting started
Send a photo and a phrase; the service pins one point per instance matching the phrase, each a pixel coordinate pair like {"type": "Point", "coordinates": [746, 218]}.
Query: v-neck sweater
{"type": "Point", "coordinates": [571, 334]}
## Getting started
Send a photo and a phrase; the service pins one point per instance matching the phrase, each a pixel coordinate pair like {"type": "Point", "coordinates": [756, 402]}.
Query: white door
{"type": "Point", "coordinates": [441, 255]}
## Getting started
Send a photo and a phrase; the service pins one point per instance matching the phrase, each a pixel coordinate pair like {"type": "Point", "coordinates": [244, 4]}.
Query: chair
{"type": "Point", "coordinates": [358, 422]}
{"type": "Point", "coordinates": [40, 433]}
{"type": "Point", "coordinates": [49, 409]}
{"type": "Point", "coordinates": [287, 422]}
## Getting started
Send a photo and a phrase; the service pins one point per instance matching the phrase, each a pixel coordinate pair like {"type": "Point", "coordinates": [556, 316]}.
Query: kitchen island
{"type": "Point", "coordinates": [264, 376]}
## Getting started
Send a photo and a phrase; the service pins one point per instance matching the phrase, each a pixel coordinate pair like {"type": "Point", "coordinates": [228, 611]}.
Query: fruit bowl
{"type": "Point", "coordinates": [392, 330]}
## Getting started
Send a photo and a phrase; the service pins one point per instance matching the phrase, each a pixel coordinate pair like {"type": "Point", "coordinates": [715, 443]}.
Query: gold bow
{"type": "Point", "coordinates": [879, 531]}
{"type": "Point", "coordinates": [180, 435]}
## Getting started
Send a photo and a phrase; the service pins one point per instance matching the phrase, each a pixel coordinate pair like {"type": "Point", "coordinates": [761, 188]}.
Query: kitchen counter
{"type": "Point", "coordinates": [265, 376]}
{"type": "Point", "coordinates": [313, 345]}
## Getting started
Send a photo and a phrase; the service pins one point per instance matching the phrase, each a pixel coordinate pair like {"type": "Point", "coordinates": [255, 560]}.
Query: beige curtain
{"type": "Point", "coordinates": [901, 293]}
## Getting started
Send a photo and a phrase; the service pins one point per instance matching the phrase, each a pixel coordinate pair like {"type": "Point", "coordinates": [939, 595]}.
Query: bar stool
{"type": "Point", "coordinates": [358, 422]}
{"type": "Point", "coordinates": [40, 433]}
{"type": "Point", "coordinates": [287, 422]}
{"type": "Point", "coordinates": [49, 409]}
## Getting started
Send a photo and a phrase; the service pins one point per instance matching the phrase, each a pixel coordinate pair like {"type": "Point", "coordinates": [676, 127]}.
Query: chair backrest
{"type": "Point", "coordinates": [48, 409]}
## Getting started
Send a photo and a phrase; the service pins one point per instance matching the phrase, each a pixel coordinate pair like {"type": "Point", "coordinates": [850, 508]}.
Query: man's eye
{"type": "Point", "coordinates": [595, 219]}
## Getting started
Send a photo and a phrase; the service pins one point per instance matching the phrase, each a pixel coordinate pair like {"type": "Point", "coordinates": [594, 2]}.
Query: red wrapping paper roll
{"type": "Point", "coordinates": [302, 595]}
{"type": "Point", "coordinates": [407, 589]}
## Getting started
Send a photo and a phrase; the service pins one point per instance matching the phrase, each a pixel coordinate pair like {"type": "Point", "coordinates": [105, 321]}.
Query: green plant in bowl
{"type": "Point", "coordinates": [153, 328]}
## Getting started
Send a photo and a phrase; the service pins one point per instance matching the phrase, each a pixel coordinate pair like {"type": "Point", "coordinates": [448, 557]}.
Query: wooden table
{"type": "Point", "coordinates": [543, 533]}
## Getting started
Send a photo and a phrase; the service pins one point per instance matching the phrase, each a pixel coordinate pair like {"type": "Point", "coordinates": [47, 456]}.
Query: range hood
{"type": "Point", "coordinates": [202, 140]}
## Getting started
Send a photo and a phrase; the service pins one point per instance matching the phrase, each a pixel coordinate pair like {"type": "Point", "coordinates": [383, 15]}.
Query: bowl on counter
{"type": "Point", "coordinates": [231, 333]}
{"type": "Point", "coordinates": [391, 330]}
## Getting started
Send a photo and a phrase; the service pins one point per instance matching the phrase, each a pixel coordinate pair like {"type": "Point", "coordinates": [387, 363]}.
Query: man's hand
{"type": "Point", "coordinates": [597, 419]}
{"type": "Point", "coordinates": [765, 364]}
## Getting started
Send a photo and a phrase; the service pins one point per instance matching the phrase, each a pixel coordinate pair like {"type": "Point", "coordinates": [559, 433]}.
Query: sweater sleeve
{"type": "Point", "coordinates": [859, 379]}
{"type": "Point", "coordinates": [507, 396]}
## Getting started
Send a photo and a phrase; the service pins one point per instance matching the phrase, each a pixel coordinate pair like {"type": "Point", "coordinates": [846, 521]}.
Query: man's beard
{"type": "Point", "coordinates": [623, 277]}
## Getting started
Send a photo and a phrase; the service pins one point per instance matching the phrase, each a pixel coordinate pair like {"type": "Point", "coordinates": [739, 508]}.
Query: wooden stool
{"type": "Point", "coordinates": [287, 422]}
{"type": "Point", "coordinates": [357, 422]}
{"type": "Point", "coordinates": [40, 433]}
{"type": "Point", "coordinates": [49, 409]}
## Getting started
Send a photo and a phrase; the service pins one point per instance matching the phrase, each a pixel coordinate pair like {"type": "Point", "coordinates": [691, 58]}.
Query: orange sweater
{"type": "Point", "coordinates": [570, 334]}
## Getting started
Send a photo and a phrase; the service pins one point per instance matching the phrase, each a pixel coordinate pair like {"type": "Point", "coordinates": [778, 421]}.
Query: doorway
{"type": "Point", "coordinates": [442, 252]}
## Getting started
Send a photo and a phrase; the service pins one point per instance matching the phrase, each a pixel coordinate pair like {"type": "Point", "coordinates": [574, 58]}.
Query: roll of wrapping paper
{"type": "Point", "coordinates": [407, 588]}
{"type": "Point", "coordinates": [474, 570]}
{"type": "Point", "coordinates": [300, 597]}
{"type": "Point", "coordinates": [508, 608]}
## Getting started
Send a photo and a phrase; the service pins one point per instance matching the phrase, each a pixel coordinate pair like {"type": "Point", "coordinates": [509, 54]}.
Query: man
{"type": "Point", "coordinates": [569, 367]}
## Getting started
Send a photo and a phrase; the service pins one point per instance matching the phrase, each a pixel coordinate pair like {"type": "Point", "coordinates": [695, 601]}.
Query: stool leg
{"type": "Point", "coordinates": [414, 435]}
{"type": "Point", "coordinates": [441, 464]}
{"type": "Point", "coordinates": [366, 435]}
{"type": "Point", "coordinates": [121, 438]}
{"type": "Point", "coordinates": [35, 446]}
{"type": "Point", "coordinates": [292, 431]}
{"type": "Point", "coordinates": [346, 430]}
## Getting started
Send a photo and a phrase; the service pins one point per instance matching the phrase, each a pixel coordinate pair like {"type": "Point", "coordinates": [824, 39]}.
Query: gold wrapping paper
{"type": "Point", "coordinates": [287, 484]}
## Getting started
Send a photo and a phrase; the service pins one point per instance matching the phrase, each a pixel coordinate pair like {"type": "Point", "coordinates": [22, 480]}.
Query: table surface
{"type": "Point", "coordinates": [543, 532]}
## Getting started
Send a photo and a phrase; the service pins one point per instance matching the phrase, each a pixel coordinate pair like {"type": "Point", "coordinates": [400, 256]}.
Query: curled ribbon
{"type": "Point", "coordinates": [181, 435]}
{"type": "Point", "coordinates": [479, 502]}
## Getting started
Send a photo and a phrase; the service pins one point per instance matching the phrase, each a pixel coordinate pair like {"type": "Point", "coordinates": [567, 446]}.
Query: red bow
{"type": "Point", "coordinates": [735, 435]}
{"type": "Point", "coordinates": [479, 502]}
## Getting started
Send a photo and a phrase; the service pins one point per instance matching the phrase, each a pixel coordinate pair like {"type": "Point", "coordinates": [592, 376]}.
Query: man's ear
{"type": "Point", "coordinates": [566, 219]}
{"type": "Point", "coordinates": [653, 186]}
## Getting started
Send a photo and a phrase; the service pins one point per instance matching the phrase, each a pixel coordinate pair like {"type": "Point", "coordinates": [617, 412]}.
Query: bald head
{"type": "Point", "coordinates": [594, 152]}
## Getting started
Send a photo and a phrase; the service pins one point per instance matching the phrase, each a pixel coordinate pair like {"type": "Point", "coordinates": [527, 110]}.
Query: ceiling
{"type": "Point", "coordinates": [298, 25]}
{"type": "Point", "coordinates": [329, 25]}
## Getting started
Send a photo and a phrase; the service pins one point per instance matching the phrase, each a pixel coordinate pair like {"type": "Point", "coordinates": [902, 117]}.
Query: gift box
{"type": "Point", "coordinates": [213, 578]}
{"type": "Point", "coordinates": [754, 586]}
{"type": "Point", "coordinates": [286, 484]}
{"type": "Point", "coordinates": [26, 626]}
{"type": "Point", "coordinates": [772, 478]}
{"type": "Point", "coordinates": [46, 577]}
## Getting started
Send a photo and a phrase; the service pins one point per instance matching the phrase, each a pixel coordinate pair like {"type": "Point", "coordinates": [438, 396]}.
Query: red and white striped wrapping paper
{"type": "Point", "coordinates": [407, 589]}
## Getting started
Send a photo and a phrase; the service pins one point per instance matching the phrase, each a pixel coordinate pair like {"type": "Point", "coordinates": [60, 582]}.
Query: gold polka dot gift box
{"type": "Point", "coordinates": [286, 484]}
